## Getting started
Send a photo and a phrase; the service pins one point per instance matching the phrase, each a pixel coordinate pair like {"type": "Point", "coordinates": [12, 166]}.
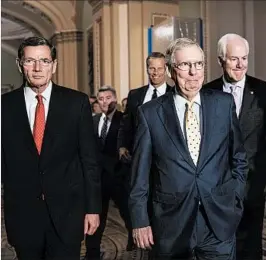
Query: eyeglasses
{"type": "Point", "coordinates": [159, 70]}
{"type": "Point", "coordinates": [185, 66]}
{"type": "Point", "coordinates": [31, 62]}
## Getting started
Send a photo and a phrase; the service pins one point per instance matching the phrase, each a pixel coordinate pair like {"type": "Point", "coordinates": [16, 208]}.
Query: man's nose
{"type": "Point", "coordinates": [192, 69]}
{"type": "Point", "coordinates": [37, 66]}
{"type": "Point", "coordinates": [239, 63]}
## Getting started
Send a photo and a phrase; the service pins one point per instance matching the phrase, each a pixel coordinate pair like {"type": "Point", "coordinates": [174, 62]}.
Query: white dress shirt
{"type": "Point", "coordinates": [101, 122]}
{"type": "Point", "coordinates": [160, 91]}
{"type": "Point", "coordinates": [239, 92]}
{"type": "Point", "coordinates": [180, 105]}
{"type": "Point", "coordinates": [31, 102]}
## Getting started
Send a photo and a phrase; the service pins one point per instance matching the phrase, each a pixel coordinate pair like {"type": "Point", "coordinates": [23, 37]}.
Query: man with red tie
{"type": "Point", "coordinates": [49, 165]}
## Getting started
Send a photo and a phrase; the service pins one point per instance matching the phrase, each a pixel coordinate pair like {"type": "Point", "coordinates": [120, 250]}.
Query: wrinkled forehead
{"type": "Point", "coordinates": [105, 94]}
{"type": "Point", "coordinates": [156, 62]}
{"type": "Point", "coordinates": [189, 54]}
{"type": "Point", "coordinates": [41, 51]}
{"type": "Point", "coordinates": [236, 47]}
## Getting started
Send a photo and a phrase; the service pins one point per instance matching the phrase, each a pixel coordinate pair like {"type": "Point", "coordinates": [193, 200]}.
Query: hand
{"type": "Point", "coordinates": [143, 237]}
{"type": "Point", "coordinates": [91, 223]}
{"type": "Point", "coordinates": [123, 152]}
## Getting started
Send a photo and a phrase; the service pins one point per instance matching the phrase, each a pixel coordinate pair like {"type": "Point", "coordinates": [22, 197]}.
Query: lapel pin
{"type": "Point", "coordinates": [251, 92]}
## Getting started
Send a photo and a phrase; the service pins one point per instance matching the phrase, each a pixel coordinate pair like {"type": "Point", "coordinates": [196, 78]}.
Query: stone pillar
{"type": "Point", "coordinates": [69, 56]}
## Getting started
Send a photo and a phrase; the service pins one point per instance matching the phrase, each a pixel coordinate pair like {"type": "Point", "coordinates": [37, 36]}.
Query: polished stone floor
{"type": "Point", "coordinates": [113, 244]}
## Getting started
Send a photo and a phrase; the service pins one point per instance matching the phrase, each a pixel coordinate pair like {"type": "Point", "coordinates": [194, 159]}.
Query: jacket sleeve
{"type": "Point", "coordinates": [89, 157]}
{"type": "Point", "coordinates": [140, 171]}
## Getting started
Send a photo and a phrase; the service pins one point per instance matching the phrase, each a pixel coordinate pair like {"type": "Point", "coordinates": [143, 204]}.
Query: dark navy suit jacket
{"type": "Point", "coordinates": [177, 185]}
{"type": "Point", "coordinates": [252, 120]}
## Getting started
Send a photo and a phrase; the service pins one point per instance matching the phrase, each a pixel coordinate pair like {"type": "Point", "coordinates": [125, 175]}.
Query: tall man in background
{"type": "Point", "coordinates": [156, 70]}
{"type": "Point", "coordinates": [52, 193]}
{"type": "Point", "coordinates": [250, 98]}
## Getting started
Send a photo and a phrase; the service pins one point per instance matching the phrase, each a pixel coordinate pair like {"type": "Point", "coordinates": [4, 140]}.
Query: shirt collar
{"type": "Point", "coordinates": [110, 116]}
{"type": "Point", "coordinates": [161, 89]}
{"type": "Point", "coordinates": [240, 84]}
{"type": "Point", "coordinates": [181, 101]}
{"type": "Point", "coordinates": [31, 95]}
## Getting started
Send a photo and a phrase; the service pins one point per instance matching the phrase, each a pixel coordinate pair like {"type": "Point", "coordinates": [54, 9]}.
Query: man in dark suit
{"type": "Point", "coordinates": [189, 142]}
{"type": "Point", "coordinates": [106, 127]}
{"type": "Point", "coordinates": [250, 98]}
{"type": "Point", "coordinates": [49, 166]}
{"type": "Point", "coordinates": [156, 70]}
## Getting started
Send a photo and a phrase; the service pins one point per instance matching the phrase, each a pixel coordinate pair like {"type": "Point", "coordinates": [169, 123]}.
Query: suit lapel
{"type": "Point", "coordinates": [52, 126]}
{"type": "Point", "coordinates": [208, 105]}
{"type": "Point", "coordinates": [142, 94]}
{"type": "Point", "coordinates": [169, 118]}
{"type": "Point", "coordinates": [23, 121]}
{"type": "Point", "coordinates": [168, 88]}
{"type": "Point", "coordinates": [113, 124]}
{"type": "Point", "coordinates": [96, 121]}
{"type": "Point", "coordinates": [248, 98]}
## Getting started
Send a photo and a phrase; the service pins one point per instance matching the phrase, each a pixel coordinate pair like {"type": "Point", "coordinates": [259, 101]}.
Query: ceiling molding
{"type": "Point", "coordinates": [9, 49]}
{"type": "Point", "coordinates": [14, 28]}
{"type": "Point", "coordinates": [26, 21]}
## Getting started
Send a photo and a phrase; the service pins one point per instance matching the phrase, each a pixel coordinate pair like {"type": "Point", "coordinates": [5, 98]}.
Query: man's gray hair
{"type": "Point", "coordinates": [178, 44]}
{"type": "Point", "coordinates": [222, 43]}
{"type": "Point", "coordinates": [107, 88]}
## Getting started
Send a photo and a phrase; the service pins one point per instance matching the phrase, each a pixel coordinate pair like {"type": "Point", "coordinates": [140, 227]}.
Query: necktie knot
{"type": "Point", "coordinates": [189, 104]}
{"type": "Point", "coordinates": [40, 99]}
{"type": "Point", "coordinates": [154, 95]}
{"type": "Point", "coordinates": [233, 88]}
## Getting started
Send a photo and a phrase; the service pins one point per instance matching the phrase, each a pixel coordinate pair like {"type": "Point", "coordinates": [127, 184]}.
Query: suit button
{"type": "Point", "coordinates": [41, 173]}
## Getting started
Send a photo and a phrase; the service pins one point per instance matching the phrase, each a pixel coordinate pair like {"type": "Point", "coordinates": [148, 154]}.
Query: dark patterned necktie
{"type": "Point", "coordinates": [104, 130]}
{"type": "Point", "coordinates": [154, 95]}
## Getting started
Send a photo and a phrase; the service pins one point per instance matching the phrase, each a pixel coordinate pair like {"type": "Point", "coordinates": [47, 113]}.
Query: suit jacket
{"type": "Point", "coordinates": [253, 126]}
{"type": "Point", "coordinates": [128, 124]}
{"type": "Point", "coordinates": [177, 184]}
{"type": "Point", "coordinates": [66, 172]}
{"type": "Point", "coordinates": [109, 154]}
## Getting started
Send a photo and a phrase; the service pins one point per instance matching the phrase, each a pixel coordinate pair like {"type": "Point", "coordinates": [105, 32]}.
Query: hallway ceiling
{"type": "Point", "coordinates": [11, 30]}
{"type": "Point", "coordinates": [20, 20]}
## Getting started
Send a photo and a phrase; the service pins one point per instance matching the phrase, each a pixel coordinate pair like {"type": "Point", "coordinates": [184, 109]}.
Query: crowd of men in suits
{"type": "Point", "coordinates": [184, 164]}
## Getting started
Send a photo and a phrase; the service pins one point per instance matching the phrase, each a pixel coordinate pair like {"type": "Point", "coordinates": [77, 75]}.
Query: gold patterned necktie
{"type": "Point", "coordinates": [192, 132]}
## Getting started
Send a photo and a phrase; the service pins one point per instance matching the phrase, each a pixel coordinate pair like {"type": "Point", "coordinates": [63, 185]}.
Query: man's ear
{"type": "Point", "coordinates": [19, 65]}
{"type": "Point", "coordinates": [220, 61]}
{"type": "Point", "coordinates": [54, 66]}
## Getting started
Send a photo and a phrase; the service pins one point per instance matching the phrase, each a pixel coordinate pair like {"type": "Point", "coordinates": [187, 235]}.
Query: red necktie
{"type": "Point", "coordinates": [39, 123]}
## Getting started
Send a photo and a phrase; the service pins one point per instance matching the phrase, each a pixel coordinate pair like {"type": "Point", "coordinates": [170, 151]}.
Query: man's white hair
{"type": "Point", "coordinates": [222, 43]}
{"type": "Point", "coordinates": [179, 44]}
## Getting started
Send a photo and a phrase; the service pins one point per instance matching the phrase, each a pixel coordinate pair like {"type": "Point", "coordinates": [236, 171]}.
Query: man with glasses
{"type": "Point", "coordinates": [52, 193]}
{"type": "Point", "coordinates": [189, 157]}
{"type": "Point", "coordinates": [250, 98]}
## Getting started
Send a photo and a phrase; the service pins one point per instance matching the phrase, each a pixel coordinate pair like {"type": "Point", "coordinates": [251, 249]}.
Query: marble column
{"type": "Point", "coordinates": [69, 58]}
